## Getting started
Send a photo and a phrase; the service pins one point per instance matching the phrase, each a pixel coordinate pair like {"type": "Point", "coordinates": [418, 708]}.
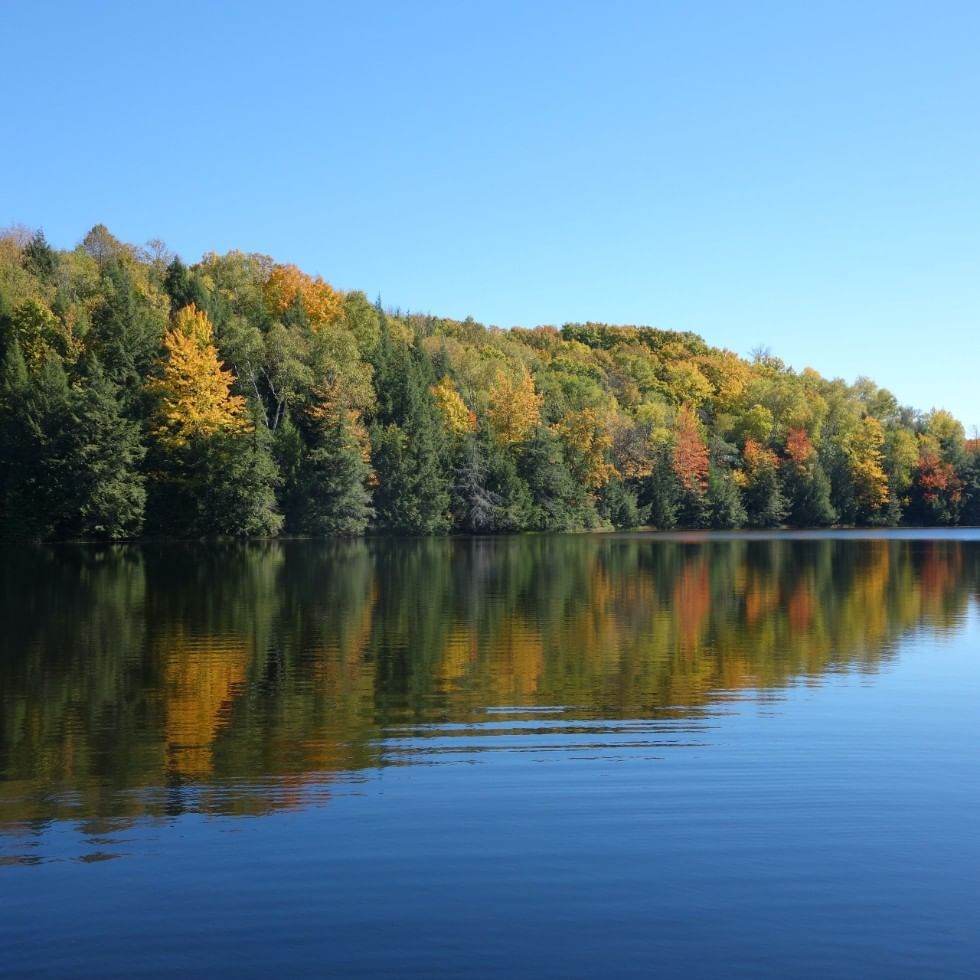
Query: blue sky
{"type": "Point", "coordinates": [799, 176]}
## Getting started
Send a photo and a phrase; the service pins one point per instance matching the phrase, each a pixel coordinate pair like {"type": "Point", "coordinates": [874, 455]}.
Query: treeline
{"type": "Point", "coordinates": [242, 397]}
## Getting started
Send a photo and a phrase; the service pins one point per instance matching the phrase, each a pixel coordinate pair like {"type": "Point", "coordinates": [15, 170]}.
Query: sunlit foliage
{"type": "Point", "coordinates": [245, 393]}
{"type": "Point", "coordinates": [194, 390]}
{"type": "Point", "coordinates": [514, 406]}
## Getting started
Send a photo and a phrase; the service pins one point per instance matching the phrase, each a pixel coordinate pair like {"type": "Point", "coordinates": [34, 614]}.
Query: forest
{"type": "Point", "coordinates": [241, 397]}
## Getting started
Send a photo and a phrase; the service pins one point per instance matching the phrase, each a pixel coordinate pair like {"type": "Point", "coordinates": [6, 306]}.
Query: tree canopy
{"type": "Point", "coordinates": [241, 396]}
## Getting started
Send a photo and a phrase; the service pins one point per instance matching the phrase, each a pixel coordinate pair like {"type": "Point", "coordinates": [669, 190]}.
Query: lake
{"type": "Point", "coordinates": [572, 755]}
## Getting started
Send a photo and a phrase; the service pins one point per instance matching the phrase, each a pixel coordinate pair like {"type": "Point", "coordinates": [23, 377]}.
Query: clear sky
{"type": "Point", "coordinates": [803, 176]}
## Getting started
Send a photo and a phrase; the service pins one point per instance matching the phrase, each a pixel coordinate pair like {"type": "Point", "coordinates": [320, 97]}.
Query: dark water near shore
{"type": "Point", "coordinates": [542, 756]}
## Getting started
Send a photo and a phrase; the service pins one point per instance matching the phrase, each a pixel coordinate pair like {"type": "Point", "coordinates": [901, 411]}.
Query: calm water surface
{"type": "Point", "coordinates": [629, 755]}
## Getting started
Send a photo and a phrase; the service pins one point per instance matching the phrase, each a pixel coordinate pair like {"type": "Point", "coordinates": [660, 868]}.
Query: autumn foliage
{"type": "Point", "coordinates": [799, 449]}
{"type": "Point", "coordinates": [937, 480]}
{"type": "Point", "coordinates": [515, 406]}
{"type": "Point", "coordinates": [866, 459]}
{"type": "Point", "coordinates": [758, 459]}
{"type": "Point", "coordinates": [457, 417]}
{"type": "Point", "coordinates": [690, 456]}
{"type": "Point", "coordinates": [194, 390]}
{"type": "Point", "coordinates": [240, 395]}
{"type": "Point", "coordinates": [587, 436]}
{"type": "Point", "coordinates": [287, 284]}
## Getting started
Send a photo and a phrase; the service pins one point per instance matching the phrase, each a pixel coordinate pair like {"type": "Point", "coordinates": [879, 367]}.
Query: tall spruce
{"type": "Point", "coordinates": [126, 334]}
{"type": "Point", "coordinates": [412, 452]}
{"type": "Point", "coordinates": [105, 453]}
{"type": "Point", "coordinates": [331, 494]}
{"type": "Point", "coordinates": [37, 480]}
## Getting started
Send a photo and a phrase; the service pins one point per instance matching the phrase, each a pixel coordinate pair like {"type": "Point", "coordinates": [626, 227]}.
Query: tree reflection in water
{"type": "Point", "coordinates": [144, 681]}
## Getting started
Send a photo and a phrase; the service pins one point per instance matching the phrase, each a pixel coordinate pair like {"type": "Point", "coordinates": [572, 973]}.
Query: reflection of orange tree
{"type": "Point", "coordinates": [692, 604]}
{"type": "Point", "coordinates": [308, 710]}
{"type": "Point", "coordinates": [506, 665]}
{"type": "Point", "coordinates": [941, 565]}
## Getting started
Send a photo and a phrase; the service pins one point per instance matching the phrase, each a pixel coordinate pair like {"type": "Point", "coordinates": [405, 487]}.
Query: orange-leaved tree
{"type": "Point", "coordinates": [936, 479]}
{"type": "Point", "coordinates": [937, 489]}
{"type": "Point", "coordinates": [286, 284]}
{"type": "Point", "coordinates": [690, 455]}
{"type": "Point", "coordinates": [759, 480]}
{"type": "Point", "coordinates": [799, 449]}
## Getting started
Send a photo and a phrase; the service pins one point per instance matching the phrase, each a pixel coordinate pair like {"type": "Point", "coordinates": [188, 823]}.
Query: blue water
{"type": "Point", "coordinates": [569, 756]}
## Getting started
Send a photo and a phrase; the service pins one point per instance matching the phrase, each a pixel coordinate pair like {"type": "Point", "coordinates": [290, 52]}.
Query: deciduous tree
{"type": "Point", "coordinates": [515, 406]}
{"type": "Point", "coordinates": [194, 390]}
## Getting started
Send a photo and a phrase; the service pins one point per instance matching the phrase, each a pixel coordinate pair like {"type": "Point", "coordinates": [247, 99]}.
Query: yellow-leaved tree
{"type": "Point", "coordinates": [515, 407]}
{"type": "Point", "coordinates": [585, 433]}
{"type": "Point", "coordinates": [457, 418]}
{"type": "Point", "coordinates": [865, 458]}
{"type": "Point", "coordinates": [194, 390]}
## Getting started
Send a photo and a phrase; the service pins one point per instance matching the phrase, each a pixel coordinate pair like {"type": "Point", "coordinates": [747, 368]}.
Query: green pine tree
{"type": "Point", "coordinates": [126, 334]}
{"type": "Point", "coordinates": [235, 488]}
{"type": "Point", "coordinates": [620, 506]}
{"type": "Point", "coordinates": [808, 495]}
{"type": "Point", "coordinates": [109, 496]}
{"type": "Point", "coordinates": [331, 494]}
{"type": "Point", "coordinates": [411, 453]}
{"type": "Point", "coordinates": [724, 507]}
{"type": "Point", "coordinates": [35, 436]}
{"type": "Point", "coordinates": [660, 492]}
{"type": "Point", "coordinates": [559, 502]}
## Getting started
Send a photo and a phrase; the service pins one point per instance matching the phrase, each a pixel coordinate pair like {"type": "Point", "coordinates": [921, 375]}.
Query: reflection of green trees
{"type": "Point", "coordinates": [142, 681]}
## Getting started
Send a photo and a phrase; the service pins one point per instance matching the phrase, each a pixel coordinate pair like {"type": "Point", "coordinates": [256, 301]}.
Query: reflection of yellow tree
{"type": "Point", "coordinates": [459, 653]}
{"type": "Point", "coordinates": [517, 661]}
{"type": "Point", "coordinates": [202, 676]}
{"type": "Point", "coordinates": [761, 597]}
{"type": "Point", "coordinates": [505, 667]}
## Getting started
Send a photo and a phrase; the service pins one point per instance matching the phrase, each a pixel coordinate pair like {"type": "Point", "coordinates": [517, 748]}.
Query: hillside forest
{"type": "Point", "coordinates": [242, 397]}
